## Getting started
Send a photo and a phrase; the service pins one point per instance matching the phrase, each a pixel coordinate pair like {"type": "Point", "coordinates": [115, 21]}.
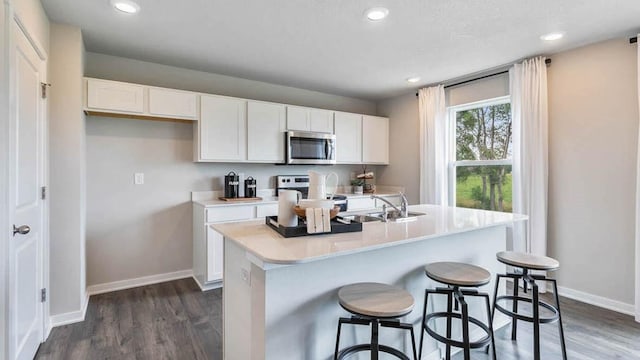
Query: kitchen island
{"type": "Point", "coordinates": [280, 294]}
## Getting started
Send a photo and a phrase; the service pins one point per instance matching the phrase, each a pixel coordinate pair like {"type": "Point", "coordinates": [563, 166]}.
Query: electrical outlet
{"type": "Point", "coordinates": [246, 276]}
{"type": "Point", "coordinates": [138, 178]}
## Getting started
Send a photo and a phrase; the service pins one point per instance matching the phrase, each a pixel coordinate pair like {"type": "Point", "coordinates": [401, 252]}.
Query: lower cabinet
{"type": "Point", "coordinates": [208, 244]}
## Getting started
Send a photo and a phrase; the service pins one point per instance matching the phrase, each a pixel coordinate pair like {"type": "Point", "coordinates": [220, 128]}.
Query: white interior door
{"type": "Point", "coordinates": [27, 177]}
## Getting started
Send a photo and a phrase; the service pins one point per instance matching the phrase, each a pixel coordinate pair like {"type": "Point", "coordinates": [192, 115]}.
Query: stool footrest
{"type": "Point", "coordinates": [543, 320]}
{"type": "Point", "coordinates": [484, 341]}
{"type": "Point", "coordinates": [367, 347]}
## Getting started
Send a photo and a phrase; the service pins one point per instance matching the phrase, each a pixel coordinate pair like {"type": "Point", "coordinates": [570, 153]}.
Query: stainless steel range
{"type": "Point", "coordinates": [301, 183]}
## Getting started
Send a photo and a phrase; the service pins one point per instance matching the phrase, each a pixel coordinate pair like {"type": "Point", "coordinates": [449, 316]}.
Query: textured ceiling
{"type": "Point", "coordinates": [328, 45]}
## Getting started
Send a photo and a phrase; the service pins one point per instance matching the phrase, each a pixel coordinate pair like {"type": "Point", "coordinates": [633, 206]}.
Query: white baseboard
{"type": "Point", "coordinates": [599, 301]}
{"type": "Point", "coordinates": [69, 317]}
{"type": "Point", "coordinates": [136, 282]}
{"type": "Point", "coordinates": [207, 287]}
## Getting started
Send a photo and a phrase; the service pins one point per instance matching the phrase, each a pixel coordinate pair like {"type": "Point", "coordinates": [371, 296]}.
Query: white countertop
{"type": "Point", "coordinates": [266, 246]}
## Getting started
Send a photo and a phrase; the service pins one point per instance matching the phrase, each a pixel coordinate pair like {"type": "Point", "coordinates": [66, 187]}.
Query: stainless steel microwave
{"type": "Point", "coordinates": [310, 148]}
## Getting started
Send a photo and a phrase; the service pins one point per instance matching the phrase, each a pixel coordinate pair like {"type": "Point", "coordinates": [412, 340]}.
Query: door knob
{"type": "Point", "coordinates": [22, 230]}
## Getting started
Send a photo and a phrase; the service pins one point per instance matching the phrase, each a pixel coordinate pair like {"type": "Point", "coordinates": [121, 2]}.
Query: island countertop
{"type": "Point", "coordinates": [266, 246]}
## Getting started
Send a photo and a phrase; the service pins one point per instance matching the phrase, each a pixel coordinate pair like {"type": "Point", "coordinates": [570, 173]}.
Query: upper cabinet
{"type": "Point", "coordinates": [266, 125]}
{"type": "Point", "coordinates": [173, 103]}
{"type": "Point", "coordinates": [309, 119]}
{"type": "Point", "coordinates": [114, 96]}
{"type": "Point", "coordinates": [348, 128]}
{"type": "Point", "coordinates": [222, 129]}
{"type": "Point", "coordinates": [104, 97]}
{"type": "Point", "coordinates": [375, 140]}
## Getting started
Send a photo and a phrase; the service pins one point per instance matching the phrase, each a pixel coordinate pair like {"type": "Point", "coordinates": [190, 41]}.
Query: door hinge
{"type": "Point", "coordinates": [43, 295]}
{"type": "Point", "coordinates": [44, 87]}
{"type": "Point", "coordinates": [43, 193]}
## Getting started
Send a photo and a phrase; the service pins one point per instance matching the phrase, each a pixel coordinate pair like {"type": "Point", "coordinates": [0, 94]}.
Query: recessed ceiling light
{"type": "Point", "coordinates": [126, 6]}
{"type": "Point", "coordinates": [552, 36]}
{"type": "Point", "coordinates": [377, 13]}
{"type": "Point", "coordinates": [413, 79]}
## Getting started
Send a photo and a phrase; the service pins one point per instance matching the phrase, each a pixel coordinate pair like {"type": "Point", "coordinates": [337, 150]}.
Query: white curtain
{"type": "Point", "coordinates": [433, 146]}
{"type": "Point", "coordinates": [638, 206]}
{"type": "Point", "coordinates": [528, 83]}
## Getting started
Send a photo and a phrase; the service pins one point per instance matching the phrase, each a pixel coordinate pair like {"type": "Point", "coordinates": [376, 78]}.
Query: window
{"type": "Point", "coordinates": [481, 153]}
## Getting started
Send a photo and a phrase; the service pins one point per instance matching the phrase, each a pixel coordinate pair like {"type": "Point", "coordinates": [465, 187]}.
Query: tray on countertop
{"type": "Point", "coordinates": [301, 230]}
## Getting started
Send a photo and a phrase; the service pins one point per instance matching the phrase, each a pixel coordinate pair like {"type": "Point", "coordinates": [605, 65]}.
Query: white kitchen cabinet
{"type": "Point", "coordinates": [222, 129]}
{"type": "Point", "coordinates": [375, 140]}
{"type": "Point", "coordinates": [321, 120]}
{"type": "Point", "coordinates": [266, 125]}
{"type": "Point", "coordinates": [298, 118]}
{"type": "Point", "coordinates": [309, 119]}
{"type": "Point", "coordinates": [348, 130]}
{"type": "Point", "coordinates": [208, 244]}
{"type": "Point", "coordinates": [115, 96]}
{"type": "Point", "coordinates": [173, 103]}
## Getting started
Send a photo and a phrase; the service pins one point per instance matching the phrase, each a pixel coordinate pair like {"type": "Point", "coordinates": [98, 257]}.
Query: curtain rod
{"type": "Point", "coordinates": [547, 61]}
{"type": "Point", "coordinates": [633, 40]}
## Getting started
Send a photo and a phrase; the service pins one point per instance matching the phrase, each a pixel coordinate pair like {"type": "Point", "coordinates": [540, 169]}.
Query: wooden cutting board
{"type": "Point", "coordinates": [242, 199]}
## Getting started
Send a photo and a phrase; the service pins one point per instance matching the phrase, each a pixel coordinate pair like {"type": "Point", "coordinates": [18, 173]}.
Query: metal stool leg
{"type": "Point", "coordinates": [555, 292]}
{"type": "Point", "coordinates": [514, 321]}
{"type": "Point", "coordinates": [424, 314]}
{"type": "Point", "coordinates": [375, 346]}
{"type": "Point", "coordinates": [449, 310]}
{"type": "Point", "coordinates": [536, 320]}
{"type": "Point", "coordinates": [465, 328]}
{"type": "Point", "coordinates": [335, 354]}
{"type": "Point", "coordinates": [495, 295]}
{"type": "Point", "coordinates": [490, 323]}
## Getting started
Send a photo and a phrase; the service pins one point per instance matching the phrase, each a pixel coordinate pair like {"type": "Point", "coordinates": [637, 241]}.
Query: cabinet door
{"type": "Point", "coordinates": [223, 128]}
{"type": "Point", "coordinates": [115, 96]}
{"type": "Point", "coordinates": [321, 120]}
{"type": "Point", "coordinates": [266, 125]}
{"type": "Point", "coordinates": [348, 129]}
{"type": "Point", "coordinates": [375, 140]}
{"type": "Point", "coordinates": [298, 118]}
{"type": "Point", "coordinates": [215, 253]}
{"type": "Point", "coordinates": [172, 103]}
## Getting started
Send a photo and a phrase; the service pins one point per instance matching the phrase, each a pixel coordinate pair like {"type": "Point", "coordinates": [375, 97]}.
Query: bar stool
{"type": "Point", "coordinates": [526, 262]}
{"type": "Point", "coordinates": [458, 276]}
{"type": "Point", "coordinates": [376, 305]}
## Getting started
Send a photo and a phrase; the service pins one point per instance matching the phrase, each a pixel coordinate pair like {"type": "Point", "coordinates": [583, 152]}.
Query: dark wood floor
{"type": "Point", "coordinates": [175, 320]}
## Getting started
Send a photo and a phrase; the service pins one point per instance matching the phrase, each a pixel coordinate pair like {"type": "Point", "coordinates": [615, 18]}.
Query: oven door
{"type": "Point", "coordinates": [310, 148]}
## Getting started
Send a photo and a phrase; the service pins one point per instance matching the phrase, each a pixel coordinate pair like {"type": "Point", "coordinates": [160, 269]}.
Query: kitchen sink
{"type": "Point", "coordinates": [396, 216]}
{"type": "Point", "coordinates": [361, 218]}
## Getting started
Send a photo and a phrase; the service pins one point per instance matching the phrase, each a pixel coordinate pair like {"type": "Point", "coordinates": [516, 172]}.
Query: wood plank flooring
{"type": "Point", "coordinates": [174, 320]}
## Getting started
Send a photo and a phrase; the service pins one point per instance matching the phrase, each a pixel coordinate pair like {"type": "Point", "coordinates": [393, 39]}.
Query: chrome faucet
{"type": "Point", "coordinates": [404, 212]}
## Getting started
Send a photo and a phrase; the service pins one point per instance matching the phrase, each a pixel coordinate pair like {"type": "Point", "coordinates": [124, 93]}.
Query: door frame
{"type": "Point", "coordinates": [9, 23]}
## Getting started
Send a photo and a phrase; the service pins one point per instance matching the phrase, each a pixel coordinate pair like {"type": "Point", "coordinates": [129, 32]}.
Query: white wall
{"type": "Point", "coordinates": [135, 231]}
{"type": "Point", "coordinates": [67, 171]}
{"type": "Point", "coordinates": [593, 127]}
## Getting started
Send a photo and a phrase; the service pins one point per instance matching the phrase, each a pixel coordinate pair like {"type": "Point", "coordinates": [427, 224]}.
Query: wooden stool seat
{"type": "Point", "coordinates": [458, 274]}
{"type": "Point", "coordinates": [527, 261]}
{"type": "Point", "coordinates": [375, 300]}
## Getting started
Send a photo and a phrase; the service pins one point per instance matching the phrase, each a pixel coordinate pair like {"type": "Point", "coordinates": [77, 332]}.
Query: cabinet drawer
{"type": "Point", "coordinates": [166, 102]}
{"type": "Point", "coordinates": [266, 210]}
{"type": "Point", "coordinates": [361, 204]}
{"type": "Point", "coordinates": [230, 213]}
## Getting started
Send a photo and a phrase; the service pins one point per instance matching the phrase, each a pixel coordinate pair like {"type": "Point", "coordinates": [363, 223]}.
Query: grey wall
{"type": "Point", "coordinates": [67, 171]}
{"type": "Point", "coordinates": [404, 144]}
{"type": "Point", "coordinates": [593, 127]}
{"type": "Point", "coordinates": [142, 230]}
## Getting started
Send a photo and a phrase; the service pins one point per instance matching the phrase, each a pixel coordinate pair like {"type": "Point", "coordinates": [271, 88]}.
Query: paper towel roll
{"type": "Point", "coordinates": [287, 199]}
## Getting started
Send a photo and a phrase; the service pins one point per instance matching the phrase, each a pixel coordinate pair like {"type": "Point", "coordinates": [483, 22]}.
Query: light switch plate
{"type": "Point", "coordinates": [246, 276]}
{"type": "Point", "coordinates": [138, 178]}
